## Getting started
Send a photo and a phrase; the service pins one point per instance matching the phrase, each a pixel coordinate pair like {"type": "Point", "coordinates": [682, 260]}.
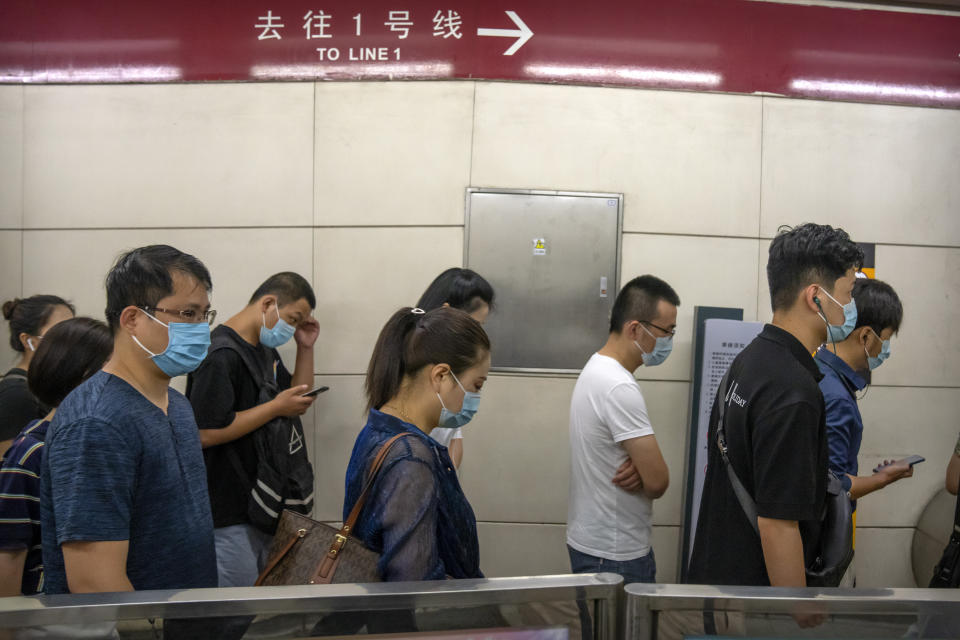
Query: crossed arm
{"type": "Point", "coordinates": [645, 469]}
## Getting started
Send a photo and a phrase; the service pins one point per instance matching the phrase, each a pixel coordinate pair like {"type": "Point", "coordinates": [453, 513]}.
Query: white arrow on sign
{"type": "Point", "coordinates": [522, 33]}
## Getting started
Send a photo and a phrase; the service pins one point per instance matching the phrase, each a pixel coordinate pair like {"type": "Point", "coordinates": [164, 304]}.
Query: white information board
{"type": "Point", "coordinates": [723, 340]}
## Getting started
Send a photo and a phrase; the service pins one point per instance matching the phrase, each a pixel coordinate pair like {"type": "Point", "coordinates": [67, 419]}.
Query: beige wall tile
{"type": "Point", "coordinates": [391, 153]}
{"type": "Point", "coordinates": [764, 308]}
{"type": "Point", "coordinates": [902, 421]}
{"type": "Point", "coordinates": [704, 272]}
{"type": "Point", "coordinates": [10, 266]}
{"type": "Point", "coordinates": [190, 155]}
{"type": "Point", "coordinates": [338, 417]}
{"type": "Point", "coordinates": [516, 460]}
{"type": "Point", "coordinates": [11, 157]}
{"type": "Point", "coordinates": [883, 558]}
{"type": "Point", "coordinates": [666, 547]}
{"type": "Point", "coordinates": [668, 408]}
{"type": "Point", "coordinates": [883, 173]}
{"type": "Point", "coordinates": [516, 464]}
{"type": "Point", "coordinates": [685, 162]}
{"type": "Point", "coordinates": [74, 264]}
{"type": "Point", "coordinates": [364, 275]}
{"type": "Point", "coordinates": [927, 349]}
{"type": "Point", "coordinates": [510, 549]}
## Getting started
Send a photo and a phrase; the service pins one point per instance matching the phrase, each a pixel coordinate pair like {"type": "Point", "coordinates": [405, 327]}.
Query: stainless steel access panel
{"type": "Point", "coordinates": [553, 258]}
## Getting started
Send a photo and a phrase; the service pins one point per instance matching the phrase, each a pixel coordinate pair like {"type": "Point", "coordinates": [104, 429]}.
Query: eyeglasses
{"type": "Point", "coordinates": [669, 332]}
{"type": "Point", "coordinates": [187, 315]}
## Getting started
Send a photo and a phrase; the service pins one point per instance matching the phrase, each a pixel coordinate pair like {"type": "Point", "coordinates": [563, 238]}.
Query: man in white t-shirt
{"type": "Point", "coordinates": [617, 470]}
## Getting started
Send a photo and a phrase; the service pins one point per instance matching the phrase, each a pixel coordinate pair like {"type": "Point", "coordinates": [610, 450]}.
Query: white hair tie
{"type": "Point", "coordinates": [418, 311]}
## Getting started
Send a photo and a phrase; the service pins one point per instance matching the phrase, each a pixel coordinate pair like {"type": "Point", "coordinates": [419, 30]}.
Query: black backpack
{"type": "Point", "coordinates": [946, 575]}
{"type": "Point", "coordinates": [284, 478]}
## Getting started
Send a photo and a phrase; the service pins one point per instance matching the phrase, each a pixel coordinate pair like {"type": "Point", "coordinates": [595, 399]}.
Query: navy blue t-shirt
{"type": "Point", "coordinates": [117, 468]}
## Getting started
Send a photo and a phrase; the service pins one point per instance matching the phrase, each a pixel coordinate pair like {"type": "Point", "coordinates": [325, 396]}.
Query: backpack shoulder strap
{"type": "Point", "coordinates": [743, 496]}
{"type": "Point", "coordinates": [253, 368]}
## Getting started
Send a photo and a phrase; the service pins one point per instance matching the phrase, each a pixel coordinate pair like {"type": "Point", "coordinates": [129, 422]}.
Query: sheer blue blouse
{"type": "Point", "coordinates": [416, 516]}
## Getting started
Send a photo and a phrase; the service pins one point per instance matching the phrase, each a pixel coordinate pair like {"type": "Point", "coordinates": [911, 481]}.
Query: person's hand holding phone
{"type": "Point", "coordinates": [291, 402]}
{"type": "Point", "coordinates": [893, 470]}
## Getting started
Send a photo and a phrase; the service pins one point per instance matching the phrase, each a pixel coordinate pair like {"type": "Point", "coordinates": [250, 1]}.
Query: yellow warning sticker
{"type": "Point", "coordinates": [539, 246]}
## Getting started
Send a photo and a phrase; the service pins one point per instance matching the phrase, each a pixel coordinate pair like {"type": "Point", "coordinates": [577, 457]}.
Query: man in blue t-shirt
{"type": "Point", "coordinates": [123, 488]}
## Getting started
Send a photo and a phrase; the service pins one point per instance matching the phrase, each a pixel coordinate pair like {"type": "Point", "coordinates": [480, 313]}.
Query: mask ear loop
{"type": "Point", "coordinates": [823, 316]}
{"type": "Point", "coordinates": [140, 344]}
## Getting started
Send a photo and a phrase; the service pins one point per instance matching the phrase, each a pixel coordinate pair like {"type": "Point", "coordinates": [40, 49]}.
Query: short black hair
{"type": "Point", "coordinates": [878, 305]}
{"type": "Point", "coordinates": [28, 315]}
{"type": "Point", "coordinates": [288, 287]}
{"type": "Point", "coordinates": [638, 300]}
{"type": "Point", "coordinates": [808, 254]}
{"type": "Point", "coordinates": [462, 289]}
{"type": "Point", "coordinates": [70, 352]}
{"type": "Point", "coordinates": [144, 276]}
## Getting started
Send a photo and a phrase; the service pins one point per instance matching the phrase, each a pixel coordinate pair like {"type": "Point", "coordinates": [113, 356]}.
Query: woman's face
{"type": "Point", "coordinates": [472, 379]}
{"type": "Point", "coordinates": [58, 315]}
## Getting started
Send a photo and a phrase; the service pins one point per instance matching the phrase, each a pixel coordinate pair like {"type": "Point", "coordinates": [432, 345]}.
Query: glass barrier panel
{"type": "Point", "coordinates": [688, 612]}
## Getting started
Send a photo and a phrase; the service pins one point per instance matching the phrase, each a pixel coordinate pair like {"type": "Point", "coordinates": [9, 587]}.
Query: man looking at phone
{"type": "Point", "coordinates": [879, 314]}
{"type": "Point", "coordinates": [228, 403]}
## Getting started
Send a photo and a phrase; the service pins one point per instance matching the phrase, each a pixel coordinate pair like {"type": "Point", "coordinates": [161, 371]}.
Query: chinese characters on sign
{"type": "Point", "coordinates": [446, 24]}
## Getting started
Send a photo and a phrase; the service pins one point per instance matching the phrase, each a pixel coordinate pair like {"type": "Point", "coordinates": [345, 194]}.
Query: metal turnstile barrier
{"type": "Point", "coordinates": [593, 593]}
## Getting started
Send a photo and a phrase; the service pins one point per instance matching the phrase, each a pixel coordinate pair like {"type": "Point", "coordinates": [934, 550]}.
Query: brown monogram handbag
{"type": "Point", "coordinates": [305, 551]}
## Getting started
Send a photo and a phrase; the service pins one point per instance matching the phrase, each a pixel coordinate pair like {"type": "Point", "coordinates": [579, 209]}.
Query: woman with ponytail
{"type": "Point", "coordinates": [426, 371]}
{"type": "Point", "coordinates": [29, 319]}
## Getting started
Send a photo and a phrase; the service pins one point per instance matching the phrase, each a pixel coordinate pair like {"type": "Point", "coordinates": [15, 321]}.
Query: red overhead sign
{"type": "Point", "coordinates": [706, 45]}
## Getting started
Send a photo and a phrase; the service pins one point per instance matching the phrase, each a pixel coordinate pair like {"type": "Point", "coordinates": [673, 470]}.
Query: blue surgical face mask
{"type": "Point", "coordinates": [471, 402]}
{"type": "Point", "coordinates": [874, 362]}
{"type": "Point", "coordinates": [839, 333]}
{"type": "Point", "coordinates": [279, 335]}
{"type": "Point", "coordinates": [661, 349]}
{"type": "Point", "coordinates": [187, 345]}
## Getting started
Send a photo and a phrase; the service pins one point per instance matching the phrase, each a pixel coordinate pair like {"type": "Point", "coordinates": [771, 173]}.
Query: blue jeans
{"type": "Point", "coordinates": [241, 554]}
{"type": "Point", "coordinates": [642, 569]}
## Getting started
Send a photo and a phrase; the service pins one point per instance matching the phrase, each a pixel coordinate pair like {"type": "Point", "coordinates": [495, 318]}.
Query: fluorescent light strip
{"type": "Point", "coordinates": [661, 76]}
{"type": "Point", "coordinates": [111, 74]}
{"type": "Point", "coordinates": [874, 90]}
{"type": "Point", "coordinates": [321, 69]}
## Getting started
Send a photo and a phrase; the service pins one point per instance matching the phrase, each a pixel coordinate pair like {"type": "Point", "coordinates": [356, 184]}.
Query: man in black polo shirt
{"type": "Point", "coordinates": [775, 428]}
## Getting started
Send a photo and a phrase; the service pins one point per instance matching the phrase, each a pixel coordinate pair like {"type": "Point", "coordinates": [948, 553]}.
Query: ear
{"type": "Point", "coordinates": [863, 336]}
{"type": "Point", "coordinates": [811, 298]}
{"type": "Point", "coordinates": [130, 318]}
{"type": "Point", "coordinates": [267, 301]}
{"type": "Point", "coordinates": [437, 374]}
{"type": "Point", "coordinates": [23, 337]}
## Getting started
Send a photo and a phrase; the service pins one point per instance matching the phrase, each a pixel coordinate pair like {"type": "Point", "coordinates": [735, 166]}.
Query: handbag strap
{"type": "Point", "coordinates": [743, 496]}
{"type": "Point", "coordinates": [324, 572]}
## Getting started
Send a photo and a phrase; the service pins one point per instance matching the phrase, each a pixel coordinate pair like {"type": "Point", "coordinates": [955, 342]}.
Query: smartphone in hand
{"type": "Point", "coordinates": [910, 460]}
{"type": "Point", "coordinates": [314, 392]}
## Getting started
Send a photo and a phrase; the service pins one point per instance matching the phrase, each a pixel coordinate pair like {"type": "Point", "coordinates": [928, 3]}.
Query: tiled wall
{"type": "Point", "coordinates": [361, 187]}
